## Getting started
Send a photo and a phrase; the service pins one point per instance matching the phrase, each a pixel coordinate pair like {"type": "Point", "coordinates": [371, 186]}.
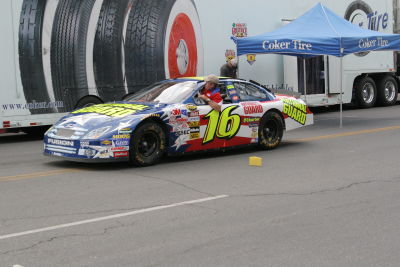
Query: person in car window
{"type": "Point", "coordinates": [210, 93]}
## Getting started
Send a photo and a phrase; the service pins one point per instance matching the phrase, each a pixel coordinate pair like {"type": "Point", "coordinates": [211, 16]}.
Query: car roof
{"type": "Point", "coordinates": [199, 78]}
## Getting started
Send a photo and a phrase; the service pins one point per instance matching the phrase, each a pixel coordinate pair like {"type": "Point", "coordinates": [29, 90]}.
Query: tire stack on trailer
{"type": "Point", "coordinates": [101, 50]}
{"type": "Point", "coordinates": [30, 53]}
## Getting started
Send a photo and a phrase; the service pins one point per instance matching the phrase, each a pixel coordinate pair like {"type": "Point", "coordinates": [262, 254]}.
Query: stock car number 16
{"type": "Point", "coordinates": [223, 124]}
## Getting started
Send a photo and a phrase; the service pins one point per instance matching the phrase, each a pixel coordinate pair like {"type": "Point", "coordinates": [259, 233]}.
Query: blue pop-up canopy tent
{"type": "Point", "coordinates": [318, 32]}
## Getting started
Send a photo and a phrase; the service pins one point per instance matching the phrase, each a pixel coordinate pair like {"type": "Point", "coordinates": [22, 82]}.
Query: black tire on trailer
{"type": "Point", "coordinates": [147, 144]}
{"type": "Point", "coordinates": [270, 131]}
{"type": "Point", "coordinates": [35, 131]}
{"type": "Point", "coordinates": [68, 51]}
{"type": "Point", "coordinates": [365, 92]}
{"type": "Point", "coordinates": [387, 91]}
{"type": "Point", "coordinates": [108, 53]}
{"type": "Point", "coordinates": [357, 12]}
{"type": "Point", "coordinates": [88, 101]}
{"type": "Point", "coordinates": [163, 40]}
{"type": "Point", "coordinates": [30, 54]}
{"type": "Point", "coordinates": [357, 5]}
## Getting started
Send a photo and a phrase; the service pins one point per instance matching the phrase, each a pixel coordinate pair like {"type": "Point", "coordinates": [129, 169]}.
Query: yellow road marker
{"type": "Point", "coordinates": [255, 161]}
{"type": "Point", "coordinates": [37, 174]}
{"type": "Point", "coordinates": [347, 134]}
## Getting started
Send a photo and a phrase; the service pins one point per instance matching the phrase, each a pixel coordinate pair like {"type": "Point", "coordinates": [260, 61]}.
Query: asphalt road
{"type": "Point", "coordinates": [328, 196]}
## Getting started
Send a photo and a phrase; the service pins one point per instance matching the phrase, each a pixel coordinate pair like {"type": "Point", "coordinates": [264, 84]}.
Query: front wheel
{"type": "Point", "coordinates": [270, 131]}
{"type": "Point", "coordinates": [365, 92]}
{"type": "Point", "coordinates": [147, 144]}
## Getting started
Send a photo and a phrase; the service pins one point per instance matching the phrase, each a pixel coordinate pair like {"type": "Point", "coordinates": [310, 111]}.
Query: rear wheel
{"type": "Point", "coordinates": [35, 131]}
{"type": "Point", "coordinates": [365, 92]}
{"type": "Point", "coordinates": [387, 91]}
{"type": "Point", "coordinates": [270, 131]}
{"type": "Point", "coordinates": [147, 144]}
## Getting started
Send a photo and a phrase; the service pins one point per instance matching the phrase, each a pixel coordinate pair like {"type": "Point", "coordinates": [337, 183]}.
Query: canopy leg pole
{"type": "Point", "coordinates": [341, 92]}
{"type": "Point", "coordinates": [305, 80]}
{"type": "Point", "coordinates": [237, 66]}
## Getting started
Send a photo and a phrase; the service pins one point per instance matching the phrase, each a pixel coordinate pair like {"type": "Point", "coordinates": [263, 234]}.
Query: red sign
{"type": "Point", "coordinates": [121, 154]}
{"type": "Point", "coordinates": [239, 30]}
{"type": "Point", "coordinates": [251, 108]}
{"type": "Point", "coordinates": [176, 112]}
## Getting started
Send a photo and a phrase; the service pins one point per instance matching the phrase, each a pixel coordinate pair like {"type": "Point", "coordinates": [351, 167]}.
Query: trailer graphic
{"type": "Point", "coordinates": [60, 55]}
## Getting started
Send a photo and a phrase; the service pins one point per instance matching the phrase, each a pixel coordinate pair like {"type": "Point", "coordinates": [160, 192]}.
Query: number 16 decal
{"type": "Point", "coordinates": [224, 125]}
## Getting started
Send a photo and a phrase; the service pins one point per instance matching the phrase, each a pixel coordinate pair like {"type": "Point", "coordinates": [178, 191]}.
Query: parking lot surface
{"type": "Point", "coordinates": [327, 196]}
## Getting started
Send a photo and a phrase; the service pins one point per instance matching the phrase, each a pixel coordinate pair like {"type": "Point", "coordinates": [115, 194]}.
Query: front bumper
{"type": "Point", "coordinates": [85, 150]}
{"type": "Point", "coordinates": [85, 160]}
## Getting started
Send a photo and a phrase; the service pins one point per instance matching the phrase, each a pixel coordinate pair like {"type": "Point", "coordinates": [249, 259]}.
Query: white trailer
{"type": "Point", "coordinates": [58, 55]}
{"type": "Point", "coordinates": [367, 79]}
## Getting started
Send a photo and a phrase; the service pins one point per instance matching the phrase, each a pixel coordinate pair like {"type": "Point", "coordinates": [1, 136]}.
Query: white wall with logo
{"type": "Point", "coordinates": [262, 16]}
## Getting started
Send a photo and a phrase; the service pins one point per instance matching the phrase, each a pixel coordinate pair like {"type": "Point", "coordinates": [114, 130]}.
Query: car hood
{"type": "Point", "coordinates": [113, 115]}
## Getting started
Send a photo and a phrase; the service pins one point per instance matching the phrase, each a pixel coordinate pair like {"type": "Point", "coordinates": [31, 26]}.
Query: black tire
{"type": "Point", "coordinates": [270, 131]}
{"type": "Point", "coordinates": [147, 144]}
{"type": "Point", "coordinates": [68, 51]}
{"type": "Point", "coordinates": [30, 54]}
{"type": "Point", "coordinates": [88, 101]}
{"type": "Point", "coordinates": [146, 40]}
{"type": "Point", "coordinates": [108, 54]}
{"type": "Point", "coordinates": [387, 91]}
{"type": "Point", "coordinates": [35, 131]}
{"type": "Point", "coordinates": [365, 92]}
{"type": "Point", "coordinates": [358, 5]}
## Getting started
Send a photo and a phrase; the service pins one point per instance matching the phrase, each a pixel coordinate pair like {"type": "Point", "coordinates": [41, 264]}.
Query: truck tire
{"type": "Point", "coordinates": [68, 51]}
{"type": "Point", "coordinates": [108, 53]}
{"type": "Point", "coordinates": [387, 91]}
{"type": "Point", "coordinates": [88, 101]}
{"type": "Point", "coordinates": [30, 54]}
{"type": "Point", "coordinates": [270, 131]}
{"type": "Point", "coordinates": [163, 41]}
{"type": "Point", "coordinates": [365, 92]}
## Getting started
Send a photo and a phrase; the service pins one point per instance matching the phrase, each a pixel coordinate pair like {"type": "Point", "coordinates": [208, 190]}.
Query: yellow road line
{"type": "Point", "coordinates": [347, 134]}
{"type": "Point", "coordinates": [37, 174]}
{"type": "Point", "coordinates": [64, 171]}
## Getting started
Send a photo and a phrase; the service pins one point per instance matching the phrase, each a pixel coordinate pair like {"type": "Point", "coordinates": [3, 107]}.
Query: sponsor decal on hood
{"type": "Point", "coordinates": [113, 110]}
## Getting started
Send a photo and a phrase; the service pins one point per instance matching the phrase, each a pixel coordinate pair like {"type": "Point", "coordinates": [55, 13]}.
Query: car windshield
{"type": "Point", "coordinates": [167, 92]}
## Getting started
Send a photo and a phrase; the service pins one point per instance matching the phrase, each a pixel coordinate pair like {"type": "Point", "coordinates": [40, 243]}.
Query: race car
{"type": "Point", "coordinates": [168, 118]}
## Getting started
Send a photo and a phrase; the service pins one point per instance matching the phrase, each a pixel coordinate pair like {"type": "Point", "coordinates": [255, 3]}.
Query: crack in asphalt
{"type": "Point", "coordinates": [215, 211]}
{"type": "Point", "coordinates": [39, 243]}
{"type": "Point", "coordinates": [176, 183]}
{"type": "Point", "coordinates": [5, 221]}
{"type": "Point", "coordinates": [393, 180]}
{"type": "Point", "coordinates": [107, 229]}
{"type": "Point", "coordinates": [342, 188]}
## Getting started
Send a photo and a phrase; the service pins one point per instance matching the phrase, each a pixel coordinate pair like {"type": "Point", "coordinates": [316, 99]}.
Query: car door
{"type": "Point", "coordinates": [223, 129]}
{"type": "Point", "coordinates": [210, 129]}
